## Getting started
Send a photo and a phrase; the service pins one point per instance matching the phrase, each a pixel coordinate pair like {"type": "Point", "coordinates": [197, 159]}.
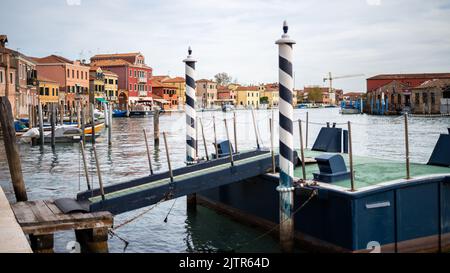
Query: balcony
{"type": "Point", "coordinates": [142, 93]}
{"type": "Point", "coordinates": [142, 79]}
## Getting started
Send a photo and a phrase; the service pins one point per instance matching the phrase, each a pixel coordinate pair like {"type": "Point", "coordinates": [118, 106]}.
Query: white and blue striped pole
{"type": "Point", "coordinates": [191, 141]}
{"type": "Point", "coordinates": [286, 113]}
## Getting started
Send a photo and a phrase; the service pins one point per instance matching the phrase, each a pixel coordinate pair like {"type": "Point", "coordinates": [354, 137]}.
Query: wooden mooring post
{"type": "Point", "coordinates": [109, 117]}
{"type": "Point", "coordinates": [52, 123]}
{"type": "Point", "coordinates": [11, 149]}
{"type": "Point", "coordinates": [256, 129]}
{"type": "Point", "coordinates": [215, 138]}
{"type": "Point", "coordinates": [156, 127]}
{"type": "Point", "coordinates": [41, 123]}
{"type": "Point", "coordinates": [306, 130]}
{"type": "Point", "coordinates": [302, 155]}
{"type": "Point", "coordinates": [204, 140]}
{"type": "Point", "coordinates": [350, 154]}
{"type": "Point", "coordinates": [408, 175]}
{"type": "Point", "coordinates": [148, 153]}
{"type": "Point", "coordinates": [229, 143]}
{"type": "Point", "coordinates": [92, 124]}
{"type": "Point", "coordinates": [235, 132]}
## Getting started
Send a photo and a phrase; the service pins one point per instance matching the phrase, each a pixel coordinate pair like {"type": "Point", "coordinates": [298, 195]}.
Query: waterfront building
{"type": "Point", "coordinates": [22, 79]}
{"type": "Point", "coordinates": [48, 90]}
{"type": "Point", "coordinates": [206, 92]}
{"type": "Point", "coordinates": [165, 95]}
{"type": "Point", "coordinates": [134, 76]}
{"type": "Point", "coordinates": [180, 84]}
{"type": "Point", "coordinates": [353, 96]}
{"type": "Point", "coordinates": [225, 95]}
{"type": "Point", "coordinates": [431, 97]}
{"type": "Point", "coordinates": [111, 86]}
{"type": "Point", "coordinates": [411, 80]}
{"type": "Point", "coordinates": [72, 77]}
{"type": "Point", "coordinates": [271, 92]}
{"type": "Point", "coordinates": [391, 98]}
{"type": "Point", "coordinates": [247, 96]}
{"type": "Point", "coordinates": [97, 86]}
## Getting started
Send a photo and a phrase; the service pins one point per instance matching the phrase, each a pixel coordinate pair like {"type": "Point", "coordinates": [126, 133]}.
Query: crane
{"type": "Point", "coordinates": [331, 79]}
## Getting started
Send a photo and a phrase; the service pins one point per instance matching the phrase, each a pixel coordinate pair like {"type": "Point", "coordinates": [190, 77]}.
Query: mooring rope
{"type": "Point", "coordinates": [313, 194]}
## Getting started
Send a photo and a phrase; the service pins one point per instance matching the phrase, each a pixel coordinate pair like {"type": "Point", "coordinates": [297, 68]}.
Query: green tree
{"type": "Point", "coordinates": [315, 94]}
{"type": "Point", "coordinates": [264, 100]}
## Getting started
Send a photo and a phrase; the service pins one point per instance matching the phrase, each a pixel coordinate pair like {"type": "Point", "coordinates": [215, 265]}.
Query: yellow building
{"type": "Point", "coordinates": [97, 85]}
{"type": "Point", "coordinates": [247, 96]}
{"type": "Point", "coordinates": [180, 84]}
{"type": "Point", "coordinates": [271, 92]}
{"type": "Point", "coordinates": [48, 91]}
{"type": "Point", "coordinates": [111, 86]}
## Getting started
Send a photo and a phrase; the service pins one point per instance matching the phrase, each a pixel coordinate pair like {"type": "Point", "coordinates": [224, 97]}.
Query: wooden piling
{"type": "Point", "coordinates": [229, 143]}
{"type": "Point", "coordinates": [204, 140]}
{"type": "Point", "coordinates": [306, 129]}
{"type": "Point", "coordinates": [109, 117]}
{"type": "Point", "coordinates": [215, 137]}
{"type": "Point", "coordinates": [41, 123]}
{"type": "Point", "coordinates": [235, 131]}
{"type": "Point", "coordinates": [83, 155]}
{"type": "Point", "coordinates": [408, 176]}
{"type": "Point", "coordinates": [196, 137]}
{"type": "Point", "coordinates": [256, 130]}
{"type": "Point", "coordinates": [169, 165]}
{"type": "Point", "coordinates": [148, 153]}
{"type": "Point", "coordinates": [302, 155]}
{"type": "Point", "coordinates": [92, 124]}
{"type": "Point", "coordinates": [156, 127]}
{"type": "Point", "coordinates": [78, 114]}
{"type": "Point", "coordinates": [11, 149]}
{"type": "Point", "coordinates": [61, 113]}
{"type": "Point", "coordinates": [99, 173]}
{"type": "Point", "coordinates": [350, 154]}
{"type": "Point", "coordinates": [83, 125]}
{"type": "Point", "coordinates": [94, 240]}
{"type": "Point", "coordinates": [42, 243]}
{"type": "Point", "coordinates": [52, 123]}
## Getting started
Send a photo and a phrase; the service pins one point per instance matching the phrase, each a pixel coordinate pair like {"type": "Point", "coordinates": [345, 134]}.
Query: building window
{"type": "Point", "coordinates": [85, 75]}
{"type": "Point", "coordinates": [68, 73]}
{"type": "Point", "coordinates": [47, 91]}
{"type": "Point", "coordinates": [11, 78]}
{"type": "Point", "coordinates": [417, 98]}
{"type": "Point", "coordinates": [117, 82]}
{"type": "Point", "coordinates": [78, 74]}
{"type": "Point", "coordinates": [73, 74]}
{"type": "Point", "coordinates": [131, 73]}
{"type": "Point", "coordinates": [1, 76]}
{"type": "Point", "coordinates": [131, 86]}
{"type": "Point", "coordinates": [41, 91]}
{"type": "Point", "coordinates": [135, 88]}
{"type": "Point", "coordinates": [57, 91]}
{"type": "Point", "coordinates": [425, 98]}
{"type": "Point", "coordinates": [53, 91]}
{"type": "Point", "coordinates": [135, 73]}
{"type": "Point", "coordinates": [433, 98]}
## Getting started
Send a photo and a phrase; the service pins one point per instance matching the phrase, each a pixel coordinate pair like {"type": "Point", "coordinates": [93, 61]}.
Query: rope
{"type": "Point", "coordinates": [313, 194]}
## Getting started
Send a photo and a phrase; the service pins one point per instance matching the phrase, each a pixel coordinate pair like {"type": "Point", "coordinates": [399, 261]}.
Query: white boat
{"type": "Point", "coordinates": [227, 107]}
{"type": "Point", "coordinates": [99, 114]}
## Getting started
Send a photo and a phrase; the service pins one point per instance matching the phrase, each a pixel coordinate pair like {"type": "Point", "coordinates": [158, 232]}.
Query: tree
{"type": "Point", "coordinates": [264, 100]}
{"type": "Point", "coordinates": [315, 94]}
{"type": "Point", "coordinates": [223, 78]}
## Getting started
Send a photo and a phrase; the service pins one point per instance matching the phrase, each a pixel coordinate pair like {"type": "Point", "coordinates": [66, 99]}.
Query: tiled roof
{"type": "Point", "coordinates": [247, 88]}
{"type": "Point", "coordinates": [159, 77]}
{"type": "Point", "coordinates": [156, 84]}
{"type": "Point", "coordinates": [117, 55]}
{"type": "Point", "coordinates": [52, 59]}
{"type": "Point", "coordinates": [118, 62]}
{"type": "Point", "coordinates": [205, 80]}
{"type": "Point", "coordinates": [411, 76]}
{"type": "Point", "coordinates": [43, 79]}
{"type": "Point", "coordinates": [175, 80]}
{"type": "Point", "coordinates": [434, 83]}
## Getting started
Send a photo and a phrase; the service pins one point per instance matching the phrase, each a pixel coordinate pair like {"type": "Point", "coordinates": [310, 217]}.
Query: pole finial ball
{"type": "Point", "coordinates": [285, 27]}
{"type": "Point", "coordinates": [189, 50]}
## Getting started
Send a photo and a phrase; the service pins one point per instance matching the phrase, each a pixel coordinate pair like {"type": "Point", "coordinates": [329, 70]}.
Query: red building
{"type": "Point", "coordinates": [411, 80]}
{"type": "Point", "coordinates": [134, 75]}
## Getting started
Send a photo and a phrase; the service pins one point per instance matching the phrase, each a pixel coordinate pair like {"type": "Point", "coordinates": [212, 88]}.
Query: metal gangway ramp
{"type": "Point", "coordinates": [149, 190]}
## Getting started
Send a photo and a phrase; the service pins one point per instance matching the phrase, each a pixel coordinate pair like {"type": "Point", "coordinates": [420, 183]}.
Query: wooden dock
{"type": "Point", "coordinates": [12, 238]}
{"type": "Point", "coordinates": [41, 219]}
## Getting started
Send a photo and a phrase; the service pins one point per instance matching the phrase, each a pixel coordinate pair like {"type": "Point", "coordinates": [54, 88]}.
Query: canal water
{"type": "Point", "coordinates": [58, 173]}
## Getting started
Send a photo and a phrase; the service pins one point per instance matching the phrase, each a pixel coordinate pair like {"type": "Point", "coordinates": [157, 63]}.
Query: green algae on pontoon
{"type": "Point", "coordinates": [372, 171]}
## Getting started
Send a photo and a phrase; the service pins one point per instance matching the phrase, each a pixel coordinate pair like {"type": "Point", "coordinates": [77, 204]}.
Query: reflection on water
{"type": "Point", "coordinates": [58, 173]}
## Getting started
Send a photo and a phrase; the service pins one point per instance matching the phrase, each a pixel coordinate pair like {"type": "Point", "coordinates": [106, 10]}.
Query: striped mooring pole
{"type": "Point", "coordinates": [191, 141]}
{"type": "Point", "coordinates": [286, 113]}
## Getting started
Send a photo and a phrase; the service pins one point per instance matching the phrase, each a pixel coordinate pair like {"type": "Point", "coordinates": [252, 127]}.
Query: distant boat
{"type": "Point", "coordinates": [302, 106]}
{"type": "Point", "coordinates": [119, 113]}
{"type": "Point", "coordinates": [350, 107]}
{"type": "Point", "coordinates": [227, 108]}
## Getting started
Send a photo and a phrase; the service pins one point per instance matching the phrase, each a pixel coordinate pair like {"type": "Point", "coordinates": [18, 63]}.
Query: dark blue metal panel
{"type": "Point", "coordinates": [345, 142]}
{"type": "Point", "coordinates": [445, 205]}
{"type": "Point", "coordinates": [329, 140]}
{"type": "Point", "coordinates": [374, 220]}
{"type": "Point", "coordinates": [441, 152]}
{"type": "Point", "coordinates": [417, 211]}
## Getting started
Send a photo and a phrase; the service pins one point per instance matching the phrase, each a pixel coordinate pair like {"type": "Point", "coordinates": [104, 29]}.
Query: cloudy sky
{"type": "Point", "coordinates": [345, 37]}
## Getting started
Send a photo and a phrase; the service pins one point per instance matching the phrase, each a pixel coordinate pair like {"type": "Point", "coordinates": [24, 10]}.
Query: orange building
{"type": "Point", "coordinates": [165, 95]}
{"type": "Point", "coordinates": [72, 77]}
